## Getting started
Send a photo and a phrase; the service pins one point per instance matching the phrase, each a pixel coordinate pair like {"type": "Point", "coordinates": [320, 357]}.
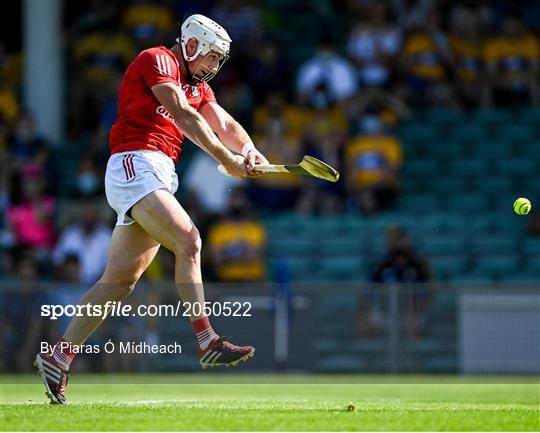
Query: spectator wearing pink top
{"type": "Point", "coordinates": [30, 221]}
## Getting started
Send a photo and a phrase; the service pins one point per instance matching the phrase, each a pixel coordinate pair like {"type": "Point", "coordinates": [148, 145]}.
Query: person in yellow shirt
{"type": "Point", "coordinates": [372, 162]}
{"type": "Point", "coordinates": [276, 191]}
{"type": "Point", "coordinates": [237, 243]}
{"type": "Point", "coordinates": [424, 62]}
{"type": "Point", "coordinates": [513, 64]}
{"type": "Point", "coordinates": [468, 64]}
{"type": "Point", "coordinates": [147, 23]}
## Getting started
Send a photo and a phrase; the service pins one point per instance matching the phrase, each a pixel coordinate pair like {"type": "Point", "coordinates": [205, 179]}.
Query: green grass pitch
{"type": "Point", "coordinates": [282, 402]}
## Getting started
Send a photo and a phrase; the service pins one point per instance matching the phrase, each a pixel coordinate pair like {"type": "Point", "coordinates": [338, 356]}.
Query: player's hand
{"type": "Point", "coordinates": [254, 157]}
{"type": "Point", "coordinates": [236, 167]}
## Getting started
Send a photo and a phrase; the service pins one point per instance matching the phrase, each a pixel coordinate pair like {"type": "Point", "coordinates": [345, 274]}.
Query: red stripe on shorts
{"type": "Point", "coordinates": [125, 167]}
{"type": "Point", "coordinates": [132, 166]}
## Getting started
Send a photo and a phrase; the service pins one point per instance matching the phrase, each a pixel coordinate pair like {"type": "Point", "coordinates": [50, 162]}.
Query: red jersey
{"type": "Point", "coordinates": [142, 123]}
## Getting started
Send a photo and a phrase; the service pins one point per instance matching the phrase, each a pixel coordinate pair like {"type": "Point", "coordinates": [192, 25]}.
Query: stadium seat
{"type": "Point", "coordinates": [412, 185]}
{"type": "Point", "coordinates": [492, 245]}
{"type": "Point", "coordinates": [447, 185]}
{"type": "Point", "coordinates": [516, 167]}
{"type": "Point", "coordinates": [467, 133]}
{"type": "Point", "coordinates": [466, 203]}
{"type": "Point", "coordinates": [496, 223]}
{"type": "Point", "coordinates": [495, 266]}
{"type": "Point", "coordinates": [491, 149]}
{"type": "Point", "coordinates": [292, 246]}
{"type": "Point", "coordinates": [283, 224]}
{"type": "Point", "coordinates": [420, 203]}
{"type": "Point", "coordinates": [450, 244]}
{"type": "Point", "coordinates": [532, 246]}
{"type": "Point", "coordinates": [445, 150]}
{"type": "Point", "coordinates": [443, 222]}
{"type": "Point", "coordinates": [529, 149]}
{"type": "Point", "coordinates": [529, 115]}
{"type": "Point", "coordinates": [492, 184]}
{"type": "Point", "coordinates": [444, 116]}
{"type": "Point", "coordinates": [514, 133]}
{"type": "Point", "coordinates": [418, 133]}
{"type": "Point", "coordinates": [490, 116]}
{"type": "Point", "coordinates": [469, 168]}
{"type": "Point", "coordinates": [339, 246]}
{"type": "Point", "coordinates": [532, 262]}
{"type": "Point", "coordinates": [447, 266]}
{"type": "Point", "coordinates": [340, 268]}
{"type": "Point", "coordinates": [421, 168]}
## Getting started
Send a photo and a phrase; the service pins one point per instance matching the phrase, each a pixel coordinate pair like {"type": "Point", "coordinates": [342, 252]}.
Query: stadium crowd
{"type": "Point", "coordinates": [331, 79]}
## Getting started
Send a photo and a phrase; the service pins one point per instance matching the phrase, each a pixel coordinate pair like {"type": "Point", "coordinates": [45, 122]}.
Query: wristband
{"type": "Point", "coordinates": [246, 148]}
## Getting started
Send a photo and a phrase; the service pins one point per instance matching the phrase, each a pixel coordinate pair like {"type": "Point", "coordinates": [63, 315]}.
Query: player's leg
{"type": "Point", "coordinates": [130, 253]}
{"type": "Point", "coordinates": [162, 217]}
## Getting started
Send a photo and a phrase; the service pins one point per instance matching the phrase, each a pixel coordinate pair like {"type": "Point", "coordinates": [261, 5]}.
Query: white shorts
{"type": "Point", "coordinates": [132, 175]}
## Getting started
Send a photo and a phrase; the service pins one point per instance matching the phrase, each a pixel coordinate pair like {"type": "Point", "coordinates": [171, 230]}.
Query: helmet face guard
{"type": "Point", "coordinates": [209, 74]}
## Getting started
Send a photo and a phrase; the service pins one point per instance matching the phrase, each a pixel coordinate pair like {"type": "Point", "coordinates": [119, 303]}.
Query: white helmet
{"type": "Point", "coordinates": [210, 37]}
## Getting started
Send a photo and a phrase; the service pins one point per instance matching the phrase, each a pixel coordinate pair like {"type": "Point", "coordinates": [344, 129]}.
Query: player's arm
{"type": "Point", "coordinates": [232, 134]}
{"type": "Point", "coordinates": [195, 127]}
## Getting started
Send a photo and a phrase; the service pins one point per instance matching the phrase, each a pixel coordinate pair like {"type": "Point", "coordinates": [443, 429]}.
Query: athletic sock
{"type": "Point", "coordinates": [204, 332]}
{"type": "Point", "coordinates": [63, 356]}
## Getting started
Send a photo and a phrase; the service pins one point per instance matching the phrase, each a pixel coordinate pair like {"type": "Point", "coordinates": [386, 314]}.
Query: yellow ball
{"type": "Point", "coordinates": [522, 206]}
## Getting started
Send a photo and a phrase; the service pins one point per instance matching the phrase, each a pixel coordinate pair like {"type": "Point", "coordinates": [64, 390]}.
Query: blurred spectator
{"type": "Point", "coordinates": [237, 243]}
{"type": "Point", "coordinates": [373, 157]}
{"type": "Point", "coordinates": [276, 191]}
{"type": "Point", "coordinates": [9, 104]}
{"type": "Point", "coordinates": [326, 78]}
{"type": "Point", "coordinates": [11, 66]}
{"type": "Point", "coordinates": [323, 136]}
{"type": "Point", "coordinates": [148, 23]}
{"type": "Point", "coordinates": [30, 219]}
{"type": "Point", "coordinates": [237, 98]}
{"type": "Point", "coordinates": [89, 182]}
{"type": "Point", "coordinates": [268, 71]}
{"type": "Point", "coordinates": [26, 147]}
{"type": "Point", "coordinates": [275, 107]}
{"type": "Point", "coordinates": [425, 59]}
{"type": "Point", "coordinates": [100, 56]}
{"type": "Point", "coordinates": [100, 150]}
{"type": "Point", "coordinates": [71, 289]}
{"type": "Point", "coordinates": [401, 265]}
{"type": "Point", "coordinates": [466, 42]}
{"type": "Point", "coordinates": [242, 19]}
{"type": "Point", "coordinates": [374, 45]}
{"type": "Point", "coordinates": [512, 59]}
{"type": "Point", "coordinates": [206, 187]}
{"type": "Point", "coordinates": [534, 225]}
{"type": "Point", "coordinates": [22, 327]}
{"type": "Point", "coordinates": [88, 240]}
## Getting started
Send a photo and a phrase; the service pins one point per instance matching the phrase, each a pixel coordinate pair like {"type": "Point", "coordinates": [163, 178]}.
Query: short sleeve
{"type": "Point", "coordinates": [157, 67]}
{"type": "Point", "coordinates": [208, 95]}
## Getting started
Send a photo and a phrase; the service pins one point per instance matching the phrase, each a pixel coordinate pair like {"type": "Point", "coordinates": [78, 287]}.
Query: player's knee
{"type": "Point", "coordinates": [190, 245]}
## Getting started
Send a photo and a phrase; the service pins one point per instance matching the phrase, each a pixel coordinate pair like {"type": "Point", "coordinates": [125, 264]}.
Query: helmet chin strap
{"type": "Point", "coordinates": [190, 77]}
